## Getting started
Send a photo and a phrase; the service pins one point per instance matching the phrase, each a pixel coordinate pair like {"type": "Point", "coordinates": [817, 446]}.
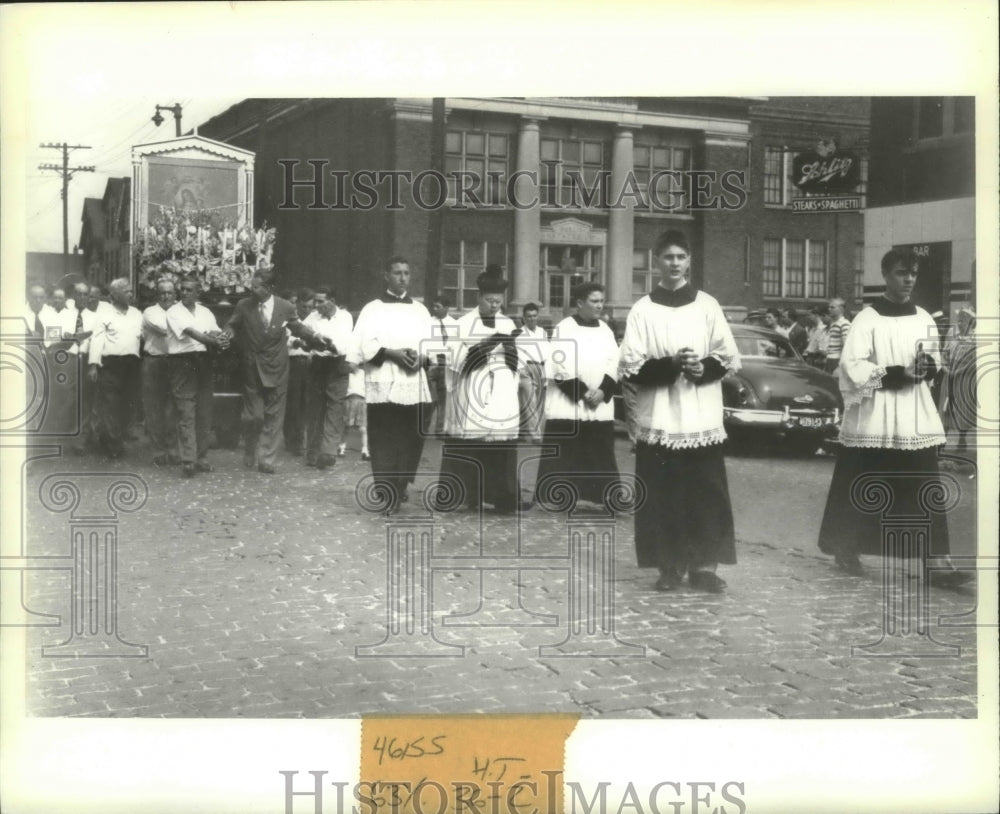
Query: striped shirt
{"type": "Point", "coordinates": [835, 337]}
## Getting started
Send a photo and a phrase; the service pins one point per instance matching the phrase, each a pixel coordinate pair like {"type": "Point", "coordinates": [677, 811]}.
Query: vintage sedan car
{"type": "Point", "coordinates": [776, 395]}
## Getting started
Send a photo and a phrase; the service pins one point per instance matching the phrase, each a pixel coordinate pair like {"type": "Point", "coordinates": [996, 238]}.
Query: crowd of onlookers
{"type": "Point", "coordinates": [817, 333]}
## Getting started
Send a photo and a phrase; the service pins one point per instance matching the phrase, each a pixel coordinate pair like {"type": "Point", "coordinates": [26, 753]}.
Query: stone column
{"type": "Point", "coordinates": [621, 226]}
{"type": "Point", "coordinates": [527, 220]}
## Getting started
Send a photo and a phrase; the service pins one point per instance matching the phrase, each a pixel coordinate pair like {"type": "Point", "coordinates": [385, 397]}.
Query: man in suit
{"type": "Point", "coordinates": [260, 324]}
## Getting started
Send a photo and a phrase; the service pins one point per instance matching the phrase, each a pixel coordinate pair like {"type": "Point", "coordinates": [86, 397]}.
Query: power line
{"type": "Point", "coordinates": [67, 172]}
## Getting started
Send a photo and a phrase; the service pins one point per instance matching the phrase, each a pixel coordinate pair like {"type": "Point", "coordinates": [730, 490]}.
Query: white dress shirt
{"type": "Point", "coordinates": [154, 330]}
{"type": "Point", "coordinates": [336, 328]}
{"type": "Point", "coordinates": [116, 333]}
{"type": "Point", "coordinates": [179, 319]}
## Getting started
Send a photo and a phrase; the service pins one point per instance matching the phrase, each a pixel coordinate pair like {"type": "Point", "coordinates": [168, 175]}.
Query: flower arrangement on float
{"type": "Point", "coordinates": [198, 245]}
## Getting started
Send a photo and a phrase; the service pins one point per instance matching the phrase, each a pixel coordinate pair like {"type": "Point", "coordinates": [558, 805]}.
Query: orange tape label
{"type": "Point", "coordinates": [463, 764]}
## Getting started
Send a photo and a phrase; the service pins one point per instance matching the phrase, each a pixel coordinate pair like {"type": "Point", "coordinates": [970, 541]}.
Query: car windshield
{"type": "Point", "coordinates": [762, 346]}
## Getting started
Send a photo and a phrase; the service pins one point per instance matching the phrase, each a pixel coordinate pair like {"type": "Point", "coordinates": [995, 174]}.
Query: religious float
{"type": "Point", "coordinates": [192, 218]}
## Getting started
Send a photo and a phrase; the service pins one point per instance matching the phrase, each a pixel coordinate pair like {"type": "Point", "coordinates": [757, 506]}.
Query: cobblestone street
{"type": "Point", "coordinates": [262, 596]}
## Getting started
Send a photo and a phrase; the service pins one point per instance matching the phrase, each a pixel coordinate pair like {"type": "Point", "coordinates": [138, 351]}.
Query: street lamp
{"type": "Point", "coordinates": [175, 109]}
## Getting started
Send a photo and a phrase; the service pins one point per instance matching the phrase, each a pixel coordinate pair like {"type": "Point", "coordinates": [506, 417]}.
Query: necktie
{"type": "Point", "coordinates": [39, 331]}
{"type": "Point", "coordinates": [79, 323]}
{"type": "Point", "coordinates": [263, 314]}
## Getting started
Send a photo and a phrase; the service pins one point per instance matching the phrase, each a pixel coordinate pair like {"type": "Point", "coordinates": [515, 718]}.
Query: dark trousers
{"type": "Point", "coordinates": [686, 520]}
{"type": "Point", "coordinates": [116, 384]}
{"type": "Point", "coordinates": [434, 412]}
{"type": "Point", "coordinates": [909, 480]}
{"type": "Point", "coordinates": [158, 404]}
{"type": "Point", "coordinates": [88, 423]}
{"type": "Point", "coordinates": [396, 444]}
{"type": "Point", "coordinates": [487, 471]}
{"type": "Point", "coordinates": [61, 408]}
{"type": "Point", "coordinates": [263, 417]}
{"type": "Point", "coordinates": [191, 386]}
{"type": "Point", "coordinates": [326, 405]}
{"type": "Point", "coordinates": [295, 403]}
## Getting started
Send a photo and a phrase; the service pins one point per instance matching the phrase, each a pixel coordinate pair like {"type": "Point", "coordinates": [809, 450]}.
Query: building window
{"type": "Point", "coordinates": [774, 175]}
{"type": "Point", "coordinates": [464, 261]}
{"type": "Point", "coordinates": [943, 116]}
{"type": "Point", "coordinates": [816, 275]}
{"type": "Point", "coordinates": [562, 157]}
{"type": "Point", "coordinates": [642, 273]}
{"type": "Point", "coordinates": [481, 154]}
{"type": "Point", "coordinates": [794, 269]}
{"type": "Point", "coordinates": [859, 272]}
{"type": "Point", "coordinates": [563, 267]}
{"type": "Point", "coordinates": [668, 191]}
{"type": "Point", "coordinates": [779, 190]}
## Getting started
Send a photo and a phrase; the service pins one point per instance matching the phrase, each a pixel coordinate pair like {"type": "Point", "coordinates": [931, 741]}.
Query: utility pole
{"type": "Point", "coordinates": [67, 172]}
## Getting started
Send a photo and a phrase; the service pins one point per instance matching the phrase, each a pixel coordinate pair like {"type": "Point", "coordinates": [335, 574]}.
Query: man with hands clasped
{"type": "Point", "coordinates": [676, 349]}
{"type": "Point", "coordinates": [387, 336]}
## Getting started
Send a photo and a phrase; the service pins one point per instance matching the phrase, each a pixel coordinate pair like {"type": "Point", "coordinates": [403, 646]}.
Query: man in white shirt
{"type": "Point", "coordinates": [59, 322]}
{"type": "Point", "coordinates": [192, 331]}
{"type": "Point", "coordinates": [532, 349]}
{"type": "Point", "coordinates": [114, 366]}
{"type": "Point", "coordinates": [157, 401]}
{"type": "Point", "coordinates": [87, 300]}
{"type": "Point", "coordinates": [328, 377]}
{"type": "Point", "coordinates": [37, 311]}
{"type": "Point", "coordinates": [445, 328]}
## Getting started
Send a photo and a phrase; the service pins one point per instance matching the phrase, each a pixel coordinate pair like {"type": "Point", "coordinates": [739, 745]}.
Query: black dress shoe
{"type": "Point", "coordinates": [187, 471]}
{"type": "Point", "coordinates": [668, 581]}
{"type": "Point", "coordinates": [325, 461]}
{"type": "Point", "coordinates": [707, 581]}
{"type": "Point", "coordinates": [203, 466]}
{"type": "Point", "coordinates": [849, 564]}
{"type": "Point", "coordinates": [265, 469]}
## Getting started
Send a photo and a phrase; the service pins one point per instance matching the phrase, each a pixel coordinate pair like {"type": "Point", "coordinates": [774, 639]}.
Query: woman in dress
{"type": "Point", "coordinates": [579, 412]}
{"type": "Point", "coordinates": [891, 428]}
{"type": "Point", "coordinates": [484, 421]}
{"type": "Point", "coordinates": [676, 349]}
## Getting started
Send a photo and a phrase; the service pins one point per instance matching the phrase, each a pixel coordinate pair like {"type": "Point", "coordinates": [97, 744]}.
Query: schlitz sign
{"type": "Point", "coordinates": [826, 170]}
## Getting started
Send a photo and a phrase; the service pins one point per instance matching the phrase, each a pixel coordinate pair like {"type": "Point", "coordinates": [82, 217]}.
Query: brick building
{"type": "Point", "coordinates": [605, 175]}
{"type": "Point", "coordinates": [922, 195]}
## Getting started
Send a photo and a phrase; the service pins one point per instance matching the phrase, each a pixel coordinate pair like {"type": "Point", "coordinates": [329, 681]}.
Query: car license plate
{"type": "Point", "coordinates": [807, 421]}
